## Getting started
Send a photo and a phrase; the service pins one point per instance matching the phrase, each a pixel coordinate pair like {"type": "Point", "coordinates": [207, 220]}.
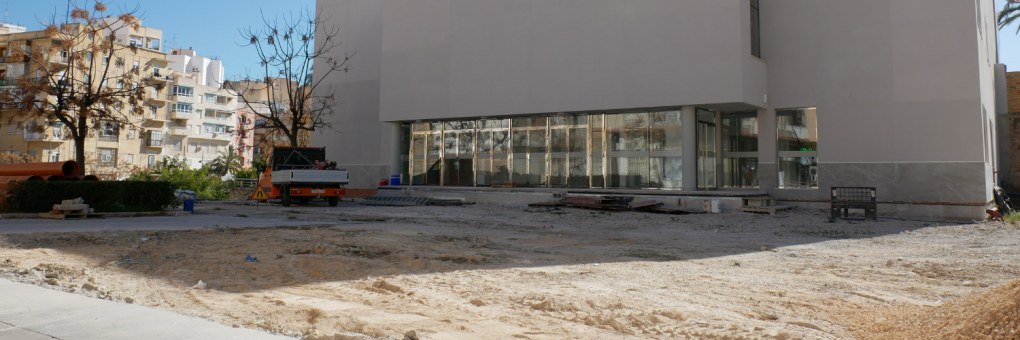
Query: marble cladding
{"type": "Point", "coordinates": [366, 176]}
{"type": "Point", "coordinates": [955, 182]}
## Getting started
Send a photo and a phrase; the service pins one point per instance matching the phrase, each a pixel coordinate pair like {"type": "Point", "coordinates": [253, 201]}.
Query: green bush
{"type": "Point", "coordinates": [247, 173]}
{"type": "Point", "coordinates": [40, 196]}
{"type": "Point", "coordinates": [1013, 218]}
{"type": "Point", "coordinates": [198, 180]}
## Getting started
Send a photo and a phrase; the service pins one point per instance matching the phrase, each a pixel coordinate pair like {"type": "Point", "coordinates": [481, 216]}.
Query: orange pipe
{"type": "Point", "coordinates": [7, 179]}
{"type": "Point", "coordinates": [66, 169]}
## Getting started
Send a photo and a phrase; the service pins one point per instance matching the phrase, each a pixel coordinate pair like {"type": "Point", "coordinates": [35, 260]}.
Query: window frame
{"type": "Point", "coordinates": [780, 154]}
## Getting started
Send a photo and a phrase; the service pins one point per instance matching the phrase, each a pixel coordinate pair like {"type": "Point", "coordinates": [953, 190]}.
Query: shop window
{"type": "Point", "coordinates": [740, 149]}
{"type": "Point", "coordinates": [798, 148]}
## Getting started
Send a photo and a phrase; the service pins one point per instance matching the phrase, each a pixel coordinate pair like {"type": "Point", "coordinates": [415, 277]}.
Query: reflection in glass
{"type": "Point", "coordinates": [627, 132]}
{"type": "Point", "coordinates": [500, 142]}
{"type": "Point", "coordinates": [521, 172]}
{"type": "Point", "coordinates": [435, 144]}
{"type": "Point", "coordinates": [798, 130]}
{"type": "Point", "coordinates": [537, 142]}
{"type": "Point", "coordinates": [467, 172]}
{"type": "Point", "coordinates": [433, 172]}
{"type": "Point", "coordinates": [521, 141]}
{"type": "Point", "coordinates": [484, 171]}
{"type": "Point", "coordinates": [419, 145]}
{"type": "Point", "coordinates": [798, 172]}
{"type": "Point", "coordinates": [628, 172]}
{"type": "Point", "coordinates": [418, 172]}
{"type": "Point", "coordinates": [484, 142]}
{"type": "Point", "coordinates": [558, 140]}
{"type": "Point", "coordinates": [740, 172]}
{"type": "Point", "coordinates": [450, 143]}
{"type": "Point", "coordinates": [500, 171]}
{"type": "Point", "coordinates": [740, 132]}
{"type": "Point", "coordinates": [451, 172]}
{"type": "Point", "coordinates": [578, 172]}
{"type": "Point", "coordinates": [466, 146]}
{"type": "Point", "coordinates": [665, 131]}
{"type": "Point", "coordinates": [558, 172]}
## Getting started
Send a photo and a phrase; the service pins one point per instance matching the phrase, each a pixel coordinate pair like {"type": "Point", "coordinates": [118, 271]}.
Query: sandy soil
{"type": "Point", "coordinates": [508, 272]}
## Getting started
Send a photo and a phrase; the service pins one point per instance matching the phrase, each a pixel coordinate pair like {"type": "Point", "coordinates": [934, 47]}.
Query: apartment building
{"type": "Point", "coordinates": [683, 98]}
{"type": "Point", "coordinates": [111, 150]}
{"type": "Point", "coordinates": [260, 95]}
{"type": "Point", "coordinates": [202, 116]}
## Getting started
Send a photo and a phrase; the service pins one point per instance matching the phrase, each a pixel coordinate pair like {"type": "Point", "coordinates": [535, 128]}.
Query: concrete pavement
{"type": "Point", "coordinates": [29, 312]}
{"type": "Point", "coordinates": [186, 222]}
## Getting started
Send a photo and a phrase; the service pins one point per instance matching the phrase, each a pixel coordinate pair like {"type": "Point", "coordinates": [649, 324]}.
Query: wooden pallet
{"type": "Point", "coordinates": [71, 214]}
{"type": "Point", "coordinates": [771, 210]}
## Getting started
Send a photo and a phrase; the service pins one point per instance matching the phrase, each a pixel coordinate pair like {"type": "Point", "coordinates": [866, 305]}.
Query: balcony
{"type": "Point", "coordinates": [157, 97]}
{"type": "Point", "coordinates": [180, 131]}
{"type": "Point", "coordinates": [109, 138]}
{"type": "Point", "coordinates": [157, 77]}
{"type": "Point", "coordinates": [41, 137]}
{"type": "Point", "coordinates": [222, 136]}
{"type": "Point", "coordinates": [174, 114]}
{"type": "Point", "coordinates": [154, 143]}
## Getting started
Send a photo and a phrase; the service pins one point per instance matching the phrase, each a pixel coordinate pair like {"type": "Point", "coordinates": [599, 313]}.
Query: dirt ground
{"type": "Point", "coordinates": [512, 272]}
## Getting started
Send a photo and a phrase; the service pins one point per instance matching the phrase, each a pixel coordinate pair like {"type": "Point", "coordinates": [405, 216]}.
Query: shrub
{"type": "Point", "coordinates": [128, 196]}
{"type": "Point", "coordinates": [1013, 218]}
{"type": "Point", "coordinates": [197, 180]}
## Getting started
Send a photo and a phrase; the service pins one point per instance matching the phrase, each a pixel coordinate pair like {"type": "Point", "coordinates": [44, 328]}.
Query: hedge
{"type": "Point", "coordinates": [126, 196]}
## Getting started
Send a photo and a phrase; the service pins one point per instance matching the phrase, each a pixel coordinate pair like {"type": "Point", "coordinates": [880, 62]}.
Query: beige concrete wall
{"type": "Point", "coordinates": [904, 88]}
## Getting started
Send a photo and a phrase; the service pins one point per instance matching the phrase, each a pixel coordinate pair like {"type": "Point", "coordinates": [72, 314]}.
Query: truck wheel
{"type": "Point", "coordinates": [286, 196]}
{"type": "Point", "coordinates": [334, 201]}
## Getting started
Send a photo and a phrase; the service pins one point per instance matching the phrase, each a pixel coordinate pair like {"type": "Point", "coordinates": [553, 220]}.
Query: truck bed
{"type": "Point", "coordinates": [311, 178]}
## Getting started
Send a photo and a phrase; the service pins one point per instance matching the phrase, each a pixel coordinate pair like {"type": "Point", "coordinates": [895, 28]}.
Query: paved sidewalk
{"type": "Point", "coordinates": [187, 222]}
{"type": "Point", "coordinates": [28, 312]}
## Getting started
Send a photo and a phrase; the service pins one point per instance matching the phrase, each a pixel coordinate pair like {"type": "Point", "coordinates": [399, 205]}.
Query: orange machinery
{"type": "Point", "coordinates": [301, 174]}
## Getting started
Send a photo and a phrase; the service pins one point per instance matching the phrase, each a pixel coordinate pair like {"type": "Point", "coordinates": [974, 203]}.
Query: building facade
{"type": "Point", "coordinates": [188, 114]}
{"type": "Point", "coordinates": [202, 114]}
{"type": "Point", "coordinates": [113, 150]}
{"type": "Point", "coordinates": [790, 97]}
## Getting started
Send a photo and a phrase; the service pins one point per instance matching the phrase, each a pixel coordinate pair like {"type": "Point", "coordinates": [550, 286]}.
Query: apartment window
{"type": "Point", "coordinates": [131, 134]}
{"type": "Point", "coordinates": [135, 65]}
{"type": "Point", "coordinates": [154, 44]}
{"type": "Point", "coordinates": [152, 160]}
{"type": "Point", "coordinates": [798, 148]}
{"type": "Point", "coordinates": [740, 149]}
{"type": "Point", "coordinates": [20, 129]}
{"type": "Point", "coordinates": [192, 147]}
{"type": "Point", "coordinates": [184, 91]}
{"type": "Point", "coordinates": [108, 131]}
{"type": "Point", "coordinates": [210, 98]}
{"type": "Point", "coordinates": [178, 144]}
{"type": "Point", "coordinates": [107, 157]}
{"type": "Point", "coordinates": [120, 62]}
{"type": "Point", "coordinates": [130, 158]}
{"type": "Point", "coordinates": [755, 30]}
{"type": "Point", "coordinates": [184, 108]}
{"type": "Point", "coordinates": [54, 157]}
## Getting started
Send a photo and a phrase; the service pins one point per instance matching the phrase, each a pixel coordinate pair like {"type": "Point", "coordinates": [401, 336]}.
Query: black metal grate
{"type": "Point", "coordinates": [846, 198]}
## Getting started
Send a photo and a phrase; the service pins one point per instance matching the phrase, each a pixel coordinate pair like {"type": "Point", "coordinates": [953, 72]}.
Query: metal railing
{"type": "Point", "coordinates": [40, 137]}
{"type": "Point", "coordinates": [246, 182]}
{"type": "Point", "coordinates": [154, 142]}
{"type": "Point", "coordinates": [109, 138]}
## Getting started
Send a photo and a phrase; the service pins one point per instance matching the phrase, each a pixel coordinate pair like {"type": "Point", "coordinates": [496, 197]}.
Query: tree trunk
{"type": "Point", "coordinates": [293, 139]}
{"type": "Point", "coordinates": [79, 153]}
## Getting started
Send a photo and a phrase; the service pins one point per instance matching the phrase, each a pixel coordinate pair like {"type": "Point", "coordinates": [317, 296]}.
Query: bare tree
{"type": "Point", "coordinates": [282, 96]}
{"type": "Point", "coordinates": [76, 80]}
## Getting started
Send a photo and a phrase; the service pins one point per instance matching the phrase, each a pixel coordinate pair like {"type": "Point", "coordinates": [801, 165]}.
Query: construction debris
{"type": "Point", "coordinates": [72, 210]}
{"type": "Point", "coordinates": [394, 201]}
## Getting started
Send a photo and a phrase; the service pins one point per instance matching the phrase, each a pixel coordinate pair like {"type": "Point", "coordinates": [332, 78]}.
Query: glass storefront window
{"type": "Point", "coordinates": [740, 149]}
{"type": "Point", "coordinates": [797, 132]}
{"type": "Point", "coordinates": [740, 172]}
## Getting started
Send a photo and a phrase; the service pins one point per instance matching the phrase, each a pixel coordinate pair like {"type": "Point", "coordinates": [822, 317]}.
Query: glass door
{"type": "Point", "coordinates": [706, 150]}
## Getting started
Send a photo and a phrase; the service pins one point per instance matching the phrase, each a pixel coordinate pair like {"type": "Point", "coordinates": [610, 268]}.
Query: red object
{"type": "Point", "coordinates": [994, 215]}
{"type": "Point", "coordinates": [66, 169]}
{"type": "Point", "coordinates": [383, 182]}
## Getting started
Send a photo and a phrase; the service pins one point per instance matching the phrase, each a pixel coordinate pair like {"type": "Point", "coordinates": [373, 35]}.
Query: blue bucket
{"type": "Point", "coordinates": [189, 205]}
{"type": "Point", "coordinates": [395, 180]}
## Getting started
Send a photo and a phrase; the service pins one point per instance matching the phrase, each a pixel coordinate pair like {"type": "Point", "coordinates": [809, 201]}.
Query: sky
{"type": "Point", "coordinates": [209, 26]}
